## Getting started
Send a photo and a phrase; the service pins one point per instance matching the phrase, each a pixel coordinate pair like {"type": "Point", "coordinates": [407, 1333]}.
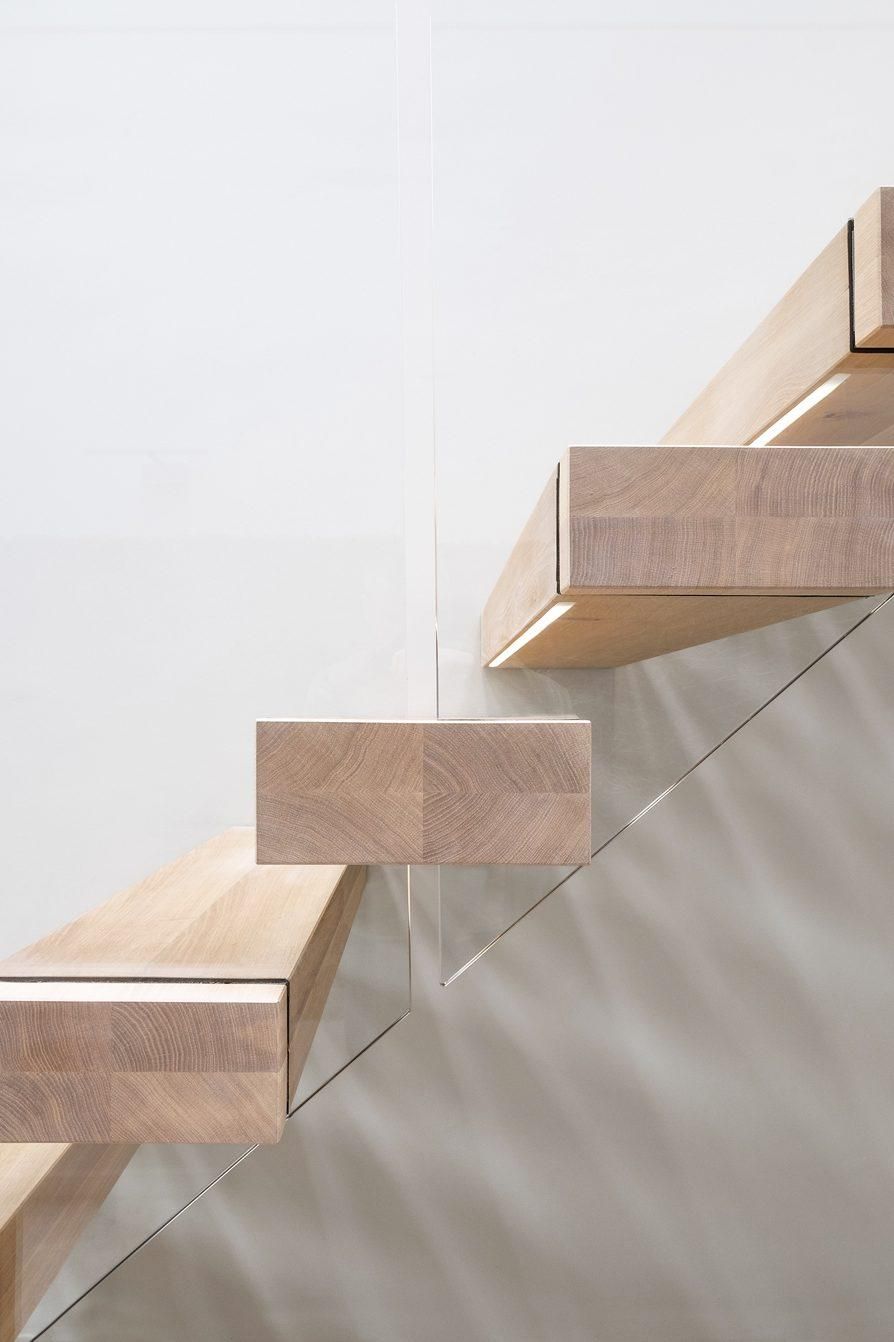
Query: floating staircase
{"type": "Point", "coordinates": [183, 1010]}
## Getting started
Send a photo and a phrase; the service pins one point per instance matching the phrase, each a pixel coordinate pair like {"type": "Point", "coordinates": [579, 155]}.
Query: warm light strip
{"type": "Point", "coordinates": [533, 630]}
{"type": "Point", "coordinates": [810, 400]}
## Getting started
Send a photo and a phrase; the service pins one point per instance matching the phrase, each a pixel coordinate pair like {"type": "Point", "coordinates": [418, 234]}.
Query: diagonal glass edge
{"type": "Point", "coordinates": [644, 811]}
{"type": "Point", "coordinates": [159, 1230]}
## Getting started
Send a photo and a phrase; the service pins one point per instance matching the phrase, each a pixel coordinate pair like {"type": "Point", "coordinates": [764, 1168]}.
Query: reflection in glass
{"type": "Point", "coordinates": [371, 990]}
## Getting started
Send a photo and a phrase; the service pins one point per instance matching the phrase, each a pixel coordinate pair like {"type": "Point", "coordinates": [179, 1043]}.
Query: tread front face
{"type": "Point", "coordinates": [460, 793]}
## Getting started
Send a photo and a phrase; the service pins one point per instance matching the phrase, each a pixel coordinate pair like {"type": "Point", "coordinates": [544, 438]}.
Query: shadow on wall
{"type": "Point", "coordinates": [652, 721]}
{"type": "Point", "coordinates": [685, 1133]}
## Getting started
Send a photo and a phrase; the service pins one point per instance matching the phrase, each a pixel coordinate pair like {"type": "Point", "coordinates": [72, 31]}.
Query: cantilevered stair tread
{"type": "Point", "coordinates": [180, 1011]}
{"type": "Point", "coordinates": [651, 549]}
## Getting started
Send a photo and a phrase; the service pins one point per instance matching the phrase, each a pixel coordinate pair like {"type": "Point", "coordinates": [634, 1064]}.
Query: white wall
{"type": "Point", "coordinates": [658, 1107]}
{"type": "Point", "coordinates": [201, 456]}
{"type": "Point", "coordinates": [201, 510]}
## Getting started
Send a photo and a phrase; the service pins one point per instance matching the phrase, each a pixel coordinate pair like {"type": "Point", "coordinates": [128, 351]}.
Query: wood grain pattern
{"type": "Point", "coordinates": [805, 521]}
{"type": "Point", "coordinates": [514, 792]}
{"type": "Point", "coordinates": [339, 787]}
{"type": "Point", "coordinates": [874, 270]}
{"type": "Point", "coordinates": [127, 1062]}
{"type": "Point", "coordinates": [507, 792]}
{"type": "Point", "coordinates": [860, 410]}
{"type": "Point", "coordinates": [127, 1051]}
{"type": "Point", "coordinates": [667, 547]}
{"type": "Point", "coordinates": [48, 1194]}
{"type": "Point", "coordinates": [211, 913]}
{"type": "Point", "coordinates": [527, 584]}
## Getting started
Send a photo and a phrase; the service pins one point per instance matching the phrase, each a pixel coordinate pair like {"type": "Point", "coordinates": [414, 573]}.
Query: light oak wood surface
{"type": "Point", "coordinates": [155, 1062]}
{"type": "Point", "coordinates": [104, 1038]}
{"type": "Point", "coordinates": [805, 521]}
{"type": "Point", "coordinates": [806, 340]}
{"type": "Point", "coordinates": [661, 548]}
{"type": "Point", "coordinates": [528, 583]}
{"type": "Point", "coordinates": [873, 244]}
{"type": "Point", "coordinates": [48, 1193]}
{"type": "Point", "coordinates": [463, 793]}
{"type": "Point", "coordinates": [859, 411]}
{"type": "Point", "coordinates": [607, 630]}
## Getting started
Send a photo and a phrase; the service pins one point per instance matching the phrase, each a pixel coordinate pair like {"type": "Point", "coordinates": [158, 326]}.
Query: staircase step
{"type": "Point", "coordinates": [633, 552]}
{"type": "Point", "coordinates": [180, 1011]}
